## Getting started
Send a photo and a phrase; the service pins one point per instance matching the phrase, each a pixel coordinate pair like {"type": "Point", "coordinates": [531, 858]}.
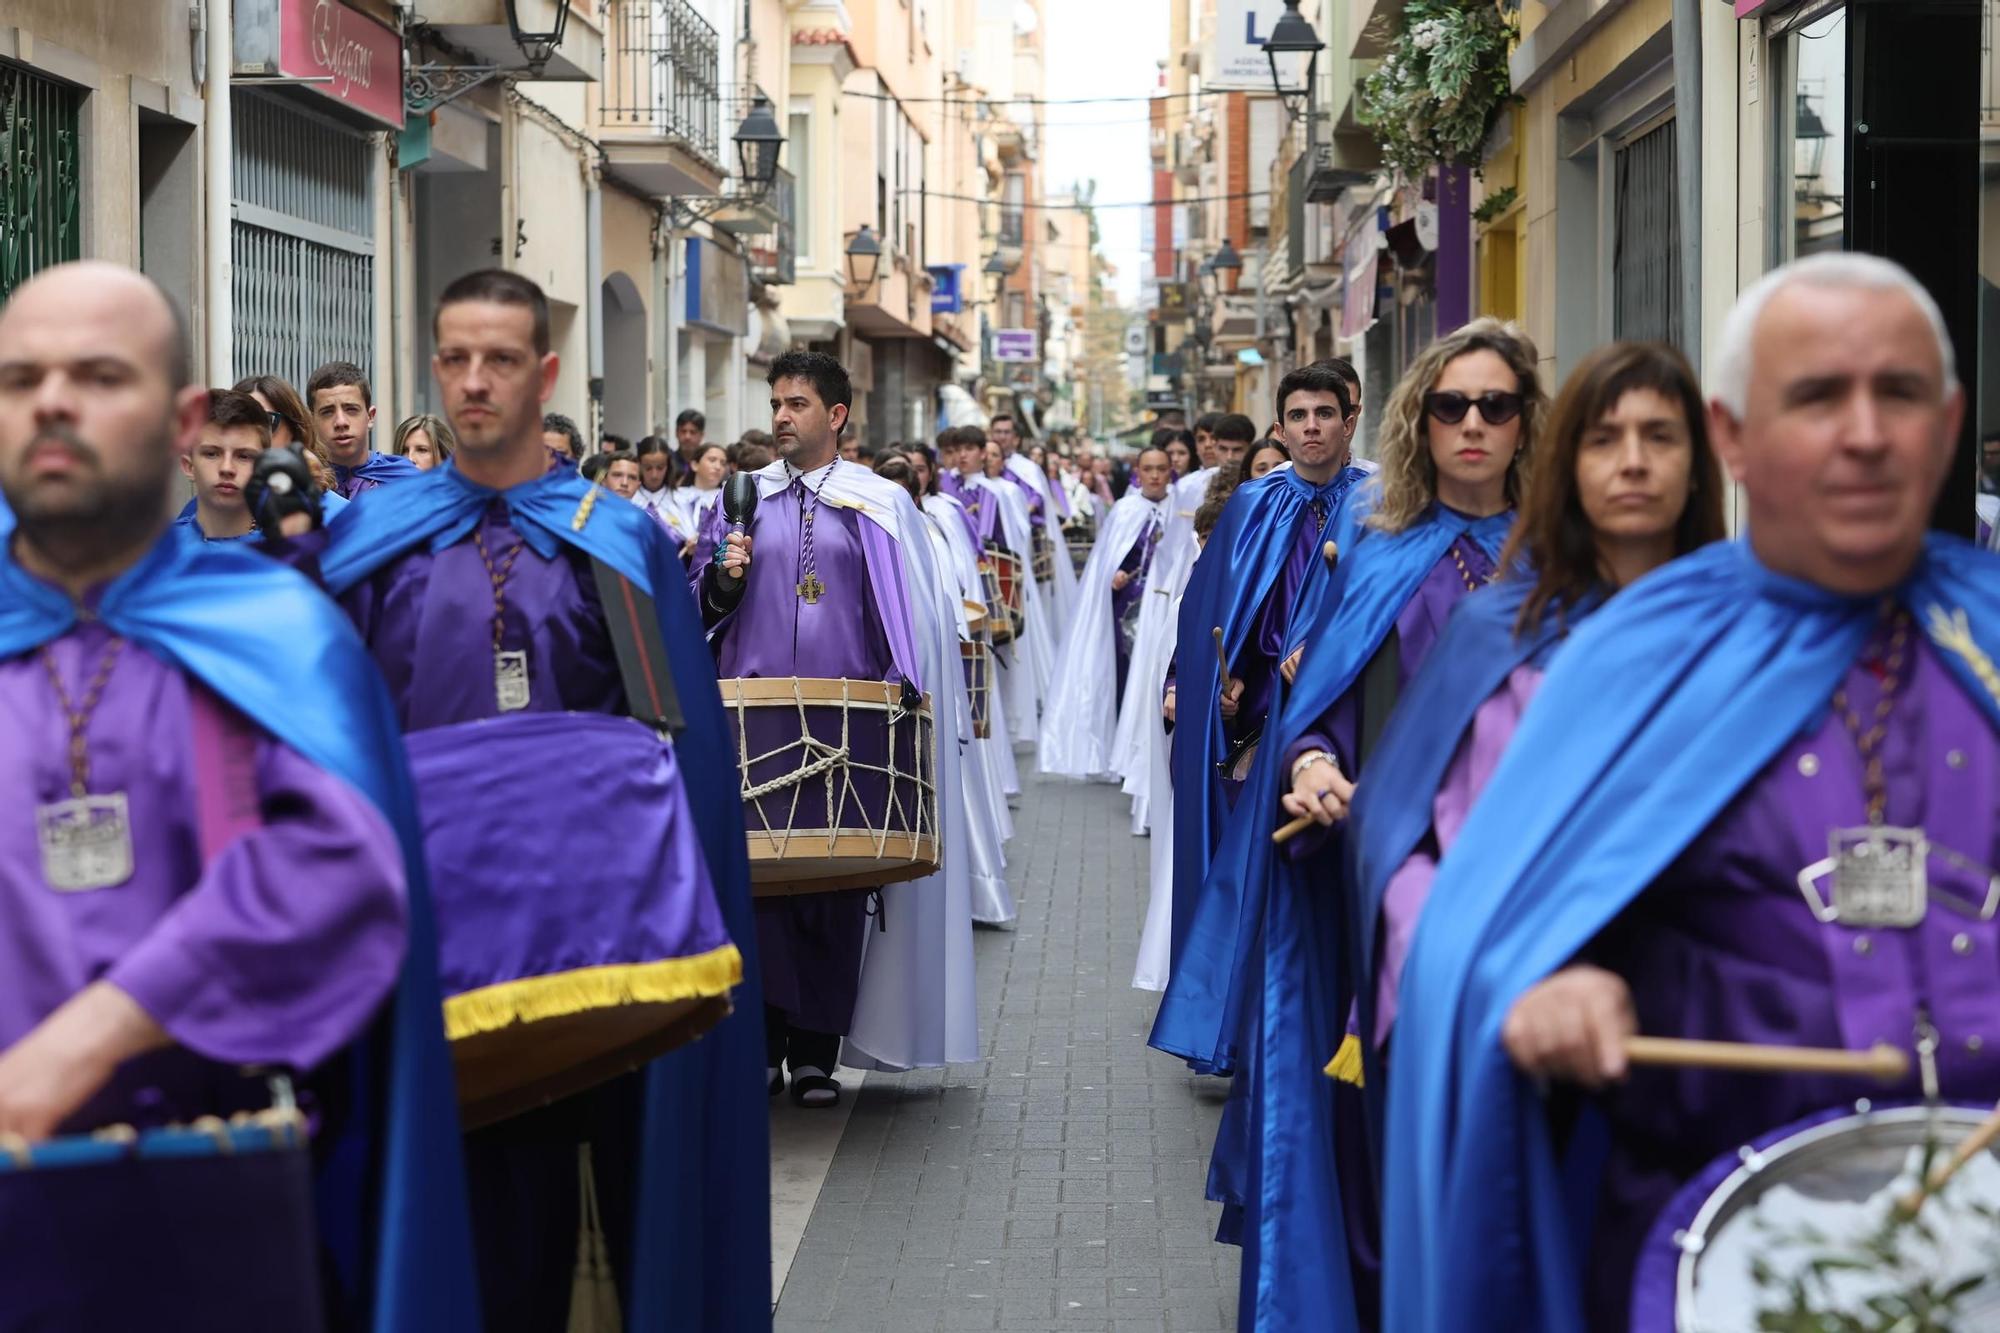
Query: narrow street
{"type": "Point", "coordinates": [1057, 1184]}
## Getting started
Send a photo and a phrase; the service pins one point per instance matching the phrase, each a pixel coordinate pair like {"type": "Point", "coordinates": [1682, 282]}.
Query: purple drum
{"type": "Point", "coordinates": [1795, 1226]}
{"type": "Point", "coordinates": [578, 931]}
{"type": "Point", "coordinates": [839, 782]}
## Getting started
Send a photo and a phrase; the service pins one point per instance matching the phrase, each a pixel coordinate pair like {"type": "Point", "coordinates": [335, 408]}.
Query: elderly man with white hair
{"type": "Point", "coordinates": [1754, 802]}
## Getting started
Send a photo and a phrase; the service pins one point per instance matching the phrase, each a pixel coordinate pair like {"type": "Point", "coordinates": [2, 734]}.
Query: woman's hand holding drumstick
{"type": "Point", "coordinates": [1975, 1143]}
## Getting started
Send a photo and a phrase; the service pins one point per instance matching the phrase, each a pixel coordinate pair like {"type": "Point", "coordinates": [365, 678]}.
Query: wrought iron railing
{"type": "Point", "coordinates": [40, 193]}
{"type": "Point", "coordinates": [661, 74]}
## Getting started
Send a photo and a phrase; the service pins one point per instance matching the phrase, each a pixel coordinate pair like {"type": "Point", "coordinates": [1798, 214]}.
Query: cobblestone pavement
{"type": "Point", "coordinates": [1058, 1184]}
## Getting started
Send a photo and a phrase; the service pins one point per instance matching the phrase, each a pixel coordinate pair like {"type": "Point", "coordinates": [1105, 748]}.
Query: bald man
{"type": "Point", "coordinates": [198, 875]}
{"type": "Point", "coordinates": [1753, 801]}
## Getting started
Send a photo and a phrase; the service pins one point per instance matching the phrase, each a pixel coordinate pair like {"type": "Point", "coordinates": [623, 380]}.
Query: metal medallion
{"type": "Point", "coordinates": [1879, 874]}
{"type": "Point", "coordinates": [510, 680]}
{"type": "Point", "coordinates": [86, 842]}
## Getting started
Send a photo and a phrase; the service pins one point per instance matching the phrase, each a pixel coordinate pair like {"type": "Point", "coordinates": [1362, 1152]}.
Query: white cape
{"type": "Point", "coordinates": [988, 824]}
{"type": "Point", "coordinates": [918, 1004]}
{"type": "Point", "coordinates": [1061, 588]}
{"type": "Point", "coordinates": [1025, 665]}
{"type": "Point", "coordinates": [1082, 712]}
{"type": "Point", "coordinates": [1153, 647]}
{"type": "Point", "coordinates": [1156, 942]}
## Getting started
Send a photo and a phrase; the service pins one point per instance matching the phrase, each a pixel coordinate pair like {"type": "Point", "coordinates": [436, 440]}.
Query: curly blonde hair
{"type": "Point", "coordinates": [1408, 478]}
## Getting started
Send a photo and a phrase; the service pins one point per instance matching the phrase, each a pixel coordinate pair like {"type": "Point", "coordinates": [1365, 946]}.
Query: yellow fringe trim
{"type": "Point", "coordinates": [531, 999]}
{"type": "Point", "coordinates": [1346, 1062]}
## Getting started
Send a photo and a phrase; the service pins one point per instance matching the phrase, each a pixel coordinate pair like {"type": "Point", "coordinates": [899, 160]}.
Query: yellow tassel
{"type": "Point", "coordinates": [1346, 1062]}
{"type": "Point", "coordinates": [530, 999]}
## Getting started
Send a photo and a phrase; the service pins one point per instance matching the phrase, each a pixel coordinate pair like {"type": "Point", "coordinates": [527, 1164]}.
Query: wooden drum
{"type": "Point", "coordinates": [839, 782]}
{"type": "Point", "coordinates": [1010, 591]}
{"type": "Point", "coordinates": [977, 659]}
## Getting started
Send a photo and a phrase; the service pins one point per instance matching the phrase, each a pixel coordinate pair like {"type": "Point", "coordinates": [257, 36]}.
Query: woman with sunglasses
{"type": "Point", "coordinates": [1410, 544]}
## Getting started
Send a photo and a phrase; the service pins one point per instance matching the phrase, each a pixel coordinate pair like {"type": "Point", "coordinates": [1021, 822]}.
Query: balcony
{"type": "Point", "coordinates": [1013, 227]}
{"type": "Point", "coordinates": [661, 110]}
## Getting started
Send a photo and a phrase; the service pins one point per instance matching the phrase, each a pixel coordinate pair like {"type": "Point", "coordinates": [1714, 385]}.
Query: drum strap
{"type": "Point", "coordinates": [225, 773]}
{"type": "Point", "coordinates": [1381, 684]}
{"type": "Point", "coordinates": [642, 654]}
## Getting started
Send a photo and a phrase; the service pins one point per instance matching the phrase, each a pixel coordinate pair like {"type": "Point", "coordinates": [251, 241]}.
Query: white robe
{"type": "Point", "coordinates": [1062, 577]}
{"type": "Point", "coordinates": [1081, 716]}
{"type": "Point", "coordinates": [690, 505]}
{"type": "Point", "coordinates": [1027, 663]}
{"type": "Point", "coordinates": [988, 824]}
{"type": "Point", "coordinates": [1152, 647]}
{"type": "Point", "coordinates": [918, 1005]}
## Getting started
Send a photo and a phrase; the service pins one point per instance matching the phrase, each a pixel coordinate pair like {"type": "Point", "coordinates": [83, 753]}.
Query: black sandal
{"type": "Point", "coordinates": [806, 1082]}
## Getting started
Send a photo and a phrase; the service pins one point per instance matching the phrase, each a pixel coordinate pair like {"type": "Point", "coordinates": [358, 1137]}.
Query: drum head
{"type": "Point", "coordinates": [1812, 1209]}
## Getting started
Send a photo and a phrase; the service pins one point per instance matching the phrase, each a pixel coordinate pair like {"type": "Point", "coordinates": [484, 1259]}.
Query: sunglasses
{"type": "Point", "coordinates": [1496, 408]}
{"type": "Point", "coordinates": [276, 419]}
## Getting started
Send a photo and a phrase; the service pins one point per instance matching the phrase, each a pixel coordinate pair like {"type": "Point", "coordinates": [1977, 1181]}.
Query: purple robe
{"type": "Point", "coordinates": [277, 952]}
{"type": "Point", "coordinates": [1723, 947]}
{"type": "Point", "coordinates": [809, 944]}
{"type": "Point", "coordinates": [1478, 754]}
{"type": "Point", "coordinates": [428, 622]}
{"type": "Point", "coordinates": [1418, 625]}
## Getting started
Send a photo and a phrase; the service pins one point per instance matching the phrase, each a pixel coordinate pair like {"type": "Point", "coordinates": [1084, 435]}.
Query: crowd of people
{"type": "Point", "coordinates": [1467, 770]}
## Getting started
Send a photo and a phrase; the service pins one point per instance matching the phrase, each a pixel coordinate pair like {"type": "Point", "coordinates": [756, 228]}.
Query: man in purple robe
{"type": "Point", "coordinates": [810, 604]}
{"type": "Point", "coordinates": [492, 615]}
{"type": "Point", "coordinates": [344, 411]}
{"type": "Point", "coordinates": [1770, 771]}
{"type": "Point", "coordinates": [195, 880]}
{"type": "Point", "coordinates": [90, 420]}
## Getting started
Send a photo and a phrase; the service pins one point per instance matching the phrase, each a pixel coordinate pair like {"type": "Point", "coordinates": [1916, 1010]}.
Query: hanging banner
{"type": "Point", "coordinates": [1016, 345]}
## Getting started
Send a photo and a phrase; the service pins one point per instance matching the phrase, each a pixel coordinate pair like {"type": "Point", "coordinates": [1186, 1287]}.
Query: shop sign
{"type": "Point", "coordinates": [1016, 345]}
{"type": "Point", "coordinates": [338, 52]}
{"type": "Point", "coordinates": [1240, 29]}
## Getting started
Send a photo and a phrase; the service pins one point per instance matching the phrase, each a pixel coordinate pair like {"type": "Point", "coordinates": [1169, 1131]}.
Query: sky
{"type": "Point", "coordinates": [1098, 49]}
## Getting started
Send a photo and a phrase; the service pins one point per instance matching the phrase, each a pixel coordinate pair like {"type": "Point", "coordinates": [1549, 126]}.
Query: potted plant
{"type": "Point", "coordinates": [1435, 96]}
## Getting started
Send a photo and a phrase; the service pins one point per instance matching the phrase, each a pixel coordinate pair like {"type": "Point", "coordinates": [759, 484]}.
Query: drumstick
{"type": "Point", "coordinates": [1884, 1063]}
{"type": "Point", "coordinates": [1292, 830]}
{"type": "Point", "coordinates": [1332, 553]}
{"type": "Point", "coordinates": [1973, 1144]}
{"type": "Point", "coordinates": [1220, 655]}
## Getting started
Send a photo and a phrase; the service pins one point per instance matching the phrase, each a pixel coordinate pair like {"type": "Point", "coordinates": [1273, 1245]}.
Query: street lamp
{"type": "Point", "coordinates": [537, 47]}
{"type": "Point", "coordinates": [1293, 49]}
{"type": "Point", "coordinates": [864, 257]}
{"type": "Point", "coordinates": [757, 142]}
{"type": "Point", "coordinates": [1224, 260]}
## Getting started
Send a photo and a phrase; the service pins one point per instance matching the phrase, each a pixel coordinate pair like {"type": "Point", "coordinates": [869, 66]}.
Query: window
{"type": "Point", "coordinates": [40, 210]}
{"type": "Point", "coordinates": [1646, 240]}
{"type": "Point", "coordinates": [1810, 65]}
{"type": "Point", "coordinates": [798, 153]}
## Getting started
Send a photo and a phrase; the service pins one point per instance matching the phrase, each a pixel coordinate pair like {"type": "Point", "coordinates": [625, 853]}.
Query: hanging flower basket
{"type": "Point", "coordinates": [1435, 96]}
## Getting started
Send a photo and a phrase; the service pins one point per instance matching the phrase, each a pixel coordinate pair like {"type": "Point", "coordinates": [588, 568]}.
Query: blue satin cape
{"type": "Point", "coordinates": [1657, 712]}
{"type": "Point", "coordinates": [1471, 661]}
{"type": "Point", "coordinates": [379, 468]}
{"type": "Point", "coordinates": [1279, 984]}
{"type": "Point", "coordinates": [1228, 588]}
{"type": "Point", "coordinates": [704, 1214]}
{"type": "Point", "coordinates": [392, 1194]}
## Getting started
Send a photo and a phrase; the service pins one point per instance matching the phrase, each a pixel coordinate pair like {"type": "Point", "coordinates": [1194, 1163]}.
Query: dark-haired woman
{"type": "Point", "coordinates": [660, 470]}
{"type": "Point", "coordinates": [1626, 482]}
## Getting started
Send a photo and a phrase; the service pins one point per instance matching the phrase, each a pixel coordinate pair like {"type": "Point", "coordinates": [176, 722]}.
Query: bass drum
{"type": "Point", "coordinates": [1809, 1205]}
{"type": "Point", "coordinates": [839, 782]}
